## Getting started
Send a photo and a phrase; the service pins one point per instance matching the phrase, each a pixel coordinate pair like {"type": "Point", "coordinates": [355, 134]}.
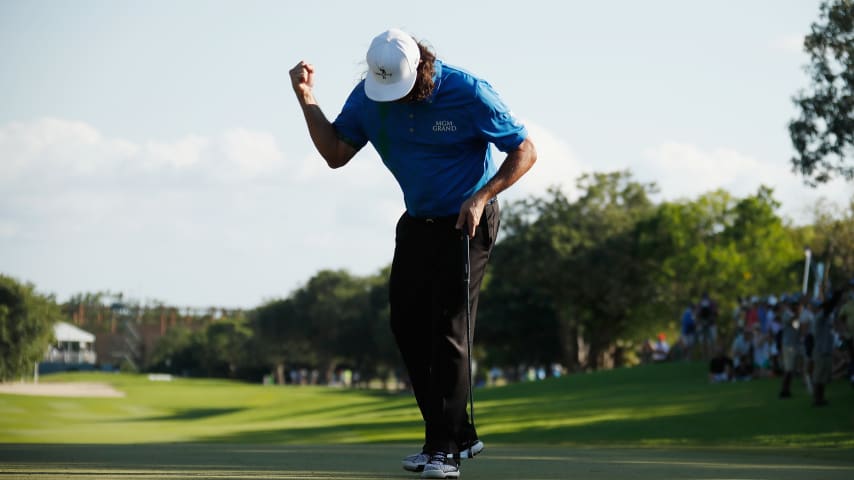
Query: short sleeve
{"type": "Point", "coordinates": [348, 124]}
{"type": "Point", "coordinates": [494, 121]}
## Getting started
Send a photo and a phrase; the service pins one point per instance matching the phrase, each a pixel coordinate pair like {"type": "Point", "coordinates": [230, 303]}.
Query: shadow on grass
{"type": "Point", "coordinates": [185, 414]}
{"type": "Point", "coordinates": [350, 433]}
{"type": "Point", "coordinates": [405, 407]}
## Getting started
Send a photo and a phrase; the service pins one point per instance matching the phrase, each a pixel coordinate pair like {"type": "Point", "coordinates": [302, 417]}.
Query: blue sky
{"type": "Point", "coordinates": [156, 147]}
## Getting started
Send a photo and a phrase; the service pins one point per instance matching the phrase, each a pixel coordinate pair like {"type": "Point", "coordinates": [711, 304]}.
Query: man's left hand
{"type": "Point", "coordinates": [470, 213]}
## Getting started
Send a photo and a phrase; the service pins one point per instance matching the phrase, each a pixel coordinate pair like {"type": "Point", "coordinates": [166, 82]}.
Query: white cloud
{"type": "Point", "coordinates": [25, 145]}
{"type": "Point", "coordinates": [684, 170]}
{"type": "Point", "coordinates": [48, 151]}
{"type": "Point", "coordinates": [227, 217]}
{"type": "Point", "coordinates": [254, 153]}
{"type": "Point", "coordinates": [557, 165]}
{"type": "Point", "coordinates": [154, 157]}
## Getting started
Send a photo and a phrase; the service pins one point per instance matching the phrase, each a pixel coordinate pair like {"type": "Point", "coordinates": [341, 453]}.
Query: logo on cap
{"type": "Point", "coordinates": [383, 73]}
{"type": "Point", "coordinates": [392, 66]}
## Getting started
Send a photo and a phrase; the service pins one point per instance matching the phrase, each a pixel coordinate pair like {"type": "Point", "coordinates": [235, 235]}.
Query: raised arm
{"type": "Point", "coordinates": [517, 163]}
{"type": "Point", "coordinates": [336, 152]}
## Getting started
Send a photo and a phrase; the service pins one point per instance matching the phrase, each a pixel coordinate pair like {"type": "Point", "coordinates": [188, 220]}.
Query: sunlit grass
{"type": "Point", "coordinates": [658, 405]}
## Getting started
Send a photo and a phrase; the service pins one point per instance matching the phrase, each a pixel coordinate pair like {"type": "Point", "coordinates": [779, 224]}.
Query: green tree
{"type": "Point", "coordinates": [579, 281]}
{"type": "Point", "coordinates": [26, 327]}
{"type": "Point", "coordinates": [823, 134]}
{"type": "Point", "coordinates": [608, 276]}
{"type": "Point", "coordinates": [572, 270]}
{"type": "Point", "coordinates": [831, 239]}
{"type": "Point", "coordinates": [282, 337]}
{"type": "Point", "coordinates": [225, 346]}
{"type": "Point", "coordinates": [517, 322]}
{"type": "Point", "coordinates": [722, 245]}
{"type": "Point", "coordinates": [379, 357]}
{"type": "Point", "coordinates": [519, 319]}
{"type": "Point", "coordinates": [179, 351]}
{"type": "Point", "coordinates": [336, 320]}
{"type": "Point", "coordinates": [339, 311]}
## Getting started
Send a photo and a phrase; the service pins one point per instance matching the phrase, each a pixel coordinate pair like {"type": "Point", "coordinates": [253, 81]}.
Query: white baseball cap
{"type": "Point", "coordinates": [392, 66]}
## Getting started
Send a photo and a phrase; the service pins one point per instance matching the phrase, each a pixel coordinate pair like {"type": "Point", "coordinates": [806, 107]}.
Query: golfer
{"type": "Point", "coordinates": [432, 124]}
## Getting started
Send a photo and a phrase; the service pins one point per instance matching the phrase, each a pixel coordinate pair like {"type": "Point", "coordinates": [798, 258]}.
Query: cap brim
{"type": "Point", "coordinates": [384, 92]}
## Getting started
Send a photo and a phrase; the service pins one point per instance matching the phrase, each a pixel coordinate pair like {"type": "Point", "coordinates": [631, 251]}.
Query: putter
{"type": "Point", "coordinates": [468, 327]}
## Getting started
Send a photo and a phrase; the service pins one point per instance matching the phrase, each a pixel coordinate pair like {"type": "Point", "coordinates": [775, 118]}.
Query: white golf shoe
{"type": "Point", "coordinates": [417, 461]}
{"type": "Point", "coordinates": [441, 465]}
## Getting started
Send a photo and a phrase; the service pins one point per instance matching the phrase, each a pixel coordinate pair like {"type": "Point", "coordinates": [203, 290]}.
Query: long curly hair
{"type": "Point", "coordinates": [423, 87]}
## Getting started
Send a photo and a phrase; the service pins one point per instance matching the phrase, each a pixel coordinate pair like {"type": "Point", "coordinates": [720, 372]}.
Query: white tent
{"type": "Point", "coordinates": [66, 332]}
{"type": "Point", "coordinates": [72, 346]}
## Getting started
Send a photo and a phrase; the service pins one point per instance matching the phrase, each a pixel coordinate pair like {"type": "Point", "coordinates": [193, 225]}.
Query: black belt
{"type": "Point", "coordinates": [446, 218]}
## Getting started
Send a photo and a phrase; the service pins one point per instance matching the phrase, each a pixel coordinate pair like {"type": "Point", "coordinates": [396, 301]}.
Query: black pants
{"type": "Point", "coordinates": [428, 303]}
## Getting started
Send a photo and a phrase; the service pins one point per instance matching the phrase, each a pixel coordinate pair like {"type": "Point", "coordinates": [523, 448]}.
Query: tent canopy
{"type": "Point", "coordinates": [66, 332]}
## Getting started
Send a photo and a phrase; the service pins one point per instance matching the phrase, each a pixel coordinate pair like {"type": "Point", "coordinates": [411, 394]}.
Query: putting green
{"type": "Point", "coordinates": [351, 462]}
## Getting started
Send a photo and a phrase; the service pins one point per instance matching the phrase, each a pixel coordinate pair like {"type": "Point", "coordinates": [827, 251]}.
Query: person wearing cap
{"type": "Point", "coordinates": [432, 125]}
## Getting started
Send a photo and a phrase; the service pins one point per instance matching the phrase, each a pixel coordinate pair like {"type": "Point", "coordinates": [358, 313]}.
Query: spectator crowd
{"type": "Point", "coordinates": [790, 337]}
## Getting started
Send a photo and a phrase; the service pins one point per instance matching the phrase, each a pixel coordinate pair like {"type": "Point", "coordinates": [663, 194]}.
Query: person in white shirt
{"type": "Point", "coordinates": [742, 355]}
{"type": "Point", "coordinates": [661, 349]}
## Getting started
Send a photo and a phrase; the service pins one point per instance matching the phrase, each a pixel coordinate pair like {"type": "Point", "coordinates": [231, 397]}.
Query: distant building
{"type": "Point", "coordinates": [72, 350]}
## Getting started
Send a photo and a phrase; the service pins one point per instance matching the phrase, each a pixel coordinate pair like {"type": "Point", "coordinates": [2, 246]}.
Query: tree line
{"type": "Point", "coordinates": [578, 280]}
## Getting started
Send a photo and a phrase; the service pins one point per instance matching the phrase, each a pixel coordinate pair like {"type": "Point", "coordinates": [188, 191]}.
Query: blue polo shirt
{"type": "Point", "coordinates": [438, 149]}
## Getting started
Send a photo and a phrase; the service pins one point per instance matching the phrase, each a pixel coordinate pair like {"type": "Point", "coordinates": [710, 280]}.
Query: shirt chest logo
{"type": "Point", "coordinates": [444, 126]}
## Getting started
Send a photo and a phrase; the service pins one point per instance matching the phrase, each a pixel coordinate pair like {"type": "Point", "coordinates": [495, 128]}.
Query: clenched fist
{"type": "Point", "coordinates": [302, 78]}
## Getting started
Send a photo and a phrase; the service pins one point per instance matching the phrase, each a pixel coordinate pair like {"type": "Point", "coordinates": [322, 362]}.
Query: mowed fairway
{"type": "Point", "coordinates": [661, 421]}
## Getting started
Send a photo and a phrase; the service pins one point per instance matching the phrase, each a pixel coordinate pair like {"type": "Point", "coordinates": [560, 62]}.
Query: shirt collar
{"type": "Point", "coordinates": [437, 79]}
